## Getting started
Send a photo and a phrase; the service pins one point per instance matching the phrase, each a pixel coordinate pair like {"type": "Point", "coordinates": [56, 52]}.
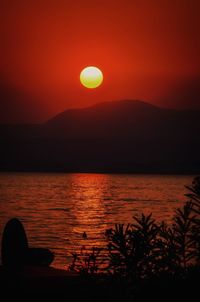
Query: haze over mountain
{"type": "Point", "coordinates": [118, 136]}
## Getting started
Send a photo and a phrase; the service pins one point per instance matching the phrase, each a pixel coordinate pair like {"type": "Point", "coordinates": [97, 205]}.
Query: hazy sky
{"type": "Point", "coordinates": [147, 49]}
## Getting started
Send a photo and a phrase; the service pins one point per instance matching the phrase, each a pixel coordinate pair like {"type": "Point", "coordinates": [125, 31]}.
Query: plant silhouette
{"type": "Point", "coordinates": [153, 256]}
{"type": "Point", "coordinates": [86, 262]}
{"type": "Point", "coordinates": [194, 196]}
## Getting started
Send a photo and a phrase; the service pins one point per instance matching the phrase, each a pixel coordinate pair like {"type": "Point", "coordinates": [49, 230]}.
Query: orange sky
{"type": "Point", "coordinates": [147, 50]}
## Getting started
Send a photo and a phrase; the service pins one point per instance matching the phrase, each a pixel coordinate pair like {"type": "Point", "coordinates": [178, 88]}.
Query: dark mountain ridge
{"type": "Point", "coordinates": [119, 136]}
{"type": "Point", "coordinates": [108, 120]}
{"type": "Point", "coordinates": [123, 119]}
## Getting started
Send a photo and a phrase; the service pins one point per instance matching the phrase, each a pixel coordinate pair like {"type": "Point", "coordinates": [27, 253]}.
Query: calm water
{"type": "Point", "coordinates": [57, 208]}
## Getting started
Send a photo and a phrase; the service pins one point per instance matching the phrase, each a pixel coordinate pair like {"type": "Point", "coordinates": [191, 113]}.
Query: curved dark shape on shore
{"type": "Point", "coordinates": [15, 251]}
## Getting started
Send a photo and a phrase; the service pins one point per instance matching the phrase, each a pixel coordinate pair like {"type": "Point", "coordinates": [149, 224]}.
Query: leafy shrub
{"type": "Point", "coordinates": [86, 262]}
{"type": "Point", "coordinates": [146, 249]}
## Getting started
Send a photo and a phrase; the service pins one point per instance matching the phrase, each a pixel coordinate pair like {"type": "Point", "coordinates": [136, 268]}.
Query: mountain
{"type": "Point", "coordinates": [125, 120]}
{"type": "Point", "coordinates": [119, 136]}
{"type": "Point", "coordinates": [104, 120]}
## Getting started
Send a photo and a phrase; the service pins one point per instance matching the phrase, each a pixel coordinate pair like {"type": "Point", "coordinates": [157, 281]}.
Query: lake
{"type": "Point", "coordinates": [56, 209]}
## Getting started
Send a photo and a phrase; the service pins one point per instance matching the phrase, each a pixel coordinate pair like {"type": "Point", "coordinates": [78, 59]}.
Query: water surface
{"type": "Point", "coordinates": [57, 208]}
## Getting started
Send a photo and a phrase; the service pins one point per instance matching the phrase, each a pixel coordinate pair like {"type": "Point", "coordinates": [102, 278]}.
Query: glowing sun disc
{"type": "Point", "coordinates": [91, 77]}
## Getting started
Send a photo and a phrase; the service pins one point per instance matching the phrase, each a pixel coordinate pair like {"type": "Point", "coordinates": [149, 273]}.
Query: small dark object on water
{"type": "Point", "coordinates": [15, 251]}
{"type": "Point", "coordinates": [84, 235]}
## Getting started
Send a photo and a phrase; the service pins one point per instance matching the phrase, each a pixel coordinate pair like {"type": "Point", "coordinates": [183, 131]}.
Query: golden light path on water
{"type": "Point", "coordinates": [56, 209]}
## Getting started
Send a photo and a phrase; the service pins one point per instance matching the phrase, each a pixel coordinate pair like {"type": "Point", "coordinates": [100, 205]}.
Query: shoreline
{"type": "Point", "coordinates": [47, 282]}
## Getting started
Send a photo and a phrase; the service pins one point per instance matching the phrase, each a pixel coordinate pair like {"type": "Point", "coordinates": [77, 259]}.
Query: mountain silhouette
{"type": "Point", "coordinates": [124, 119]}
{"type": "Point", "coordinates": [105, 120]}
{"type": "Point", "coordinates": [120, 136]}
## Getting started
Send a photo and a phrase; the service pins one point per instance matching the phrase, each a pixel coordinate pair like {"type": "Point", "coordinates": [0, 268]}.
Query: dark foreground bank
{"type": "Point", "coordinates": [47, 282]}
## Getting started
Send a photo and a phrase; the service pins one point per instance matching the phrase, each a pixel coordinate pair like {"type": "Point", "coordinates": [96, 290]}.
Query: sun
{"type": "Point", "coordinates": [91, 77]}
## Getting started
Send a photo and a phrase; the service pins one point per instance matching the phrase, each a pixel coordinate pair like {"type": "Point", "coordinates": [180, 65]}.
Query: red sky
{"type": "Point", "coordinates": [147, 50]}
